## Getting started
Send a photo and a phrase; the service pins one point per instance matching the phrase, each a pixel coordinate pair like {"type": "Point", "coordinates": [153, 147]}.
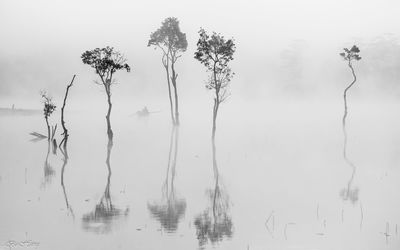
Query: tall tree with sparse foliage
{"type": "Point", "coordinates": [172, 43]}
{"type": "Point", "coordinates": [215, 52]}
{"type": "Point", "coordinates": [349, 55]}
{"type": "Point", "coordinates": [106, 62]}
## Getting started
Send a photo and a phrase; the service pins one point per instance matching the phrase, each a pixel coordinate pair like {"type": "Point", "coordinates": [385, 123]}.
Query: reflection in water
{"type": "Point", "coordinates": [170, 209]}
{"type": "Point", "coordinates": [49, 172]}
{"type": "Point", "coordinates": [64, 151]}
{"type": "Point", "coordinates": [105, 213]}
{"type": "Point", "coordinates": [349, 192]}
{"type": "Point", "coordinates": [214, 223]}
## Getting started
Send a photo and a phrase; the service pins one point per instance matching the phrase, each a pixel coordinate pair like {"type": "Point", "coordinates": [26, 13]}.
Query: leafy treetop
{"type": "Point", "coordinates": [106, 62]}
{"type": "Point", "coordinates": [214, 51]}
{"type": "Point", "coordinates": [49, 106]}
{"type": "Point", "coordinates": [351, 54]}
{"type": "Point", "coordinates": [169, 37]}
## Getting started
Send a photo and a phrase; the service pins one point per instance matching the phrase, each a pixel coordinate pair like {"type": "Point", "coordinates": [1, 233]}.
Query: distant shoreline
{"type": "Point", "coordinates": [10, 111]}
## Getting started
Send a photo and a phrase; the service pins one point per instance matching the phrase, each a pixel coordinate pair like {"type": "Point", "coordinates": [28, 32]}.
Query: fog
{"type": "Point", "coordinates": [283, 47]}
{"type": "Point", "coordinates": [287, 169]}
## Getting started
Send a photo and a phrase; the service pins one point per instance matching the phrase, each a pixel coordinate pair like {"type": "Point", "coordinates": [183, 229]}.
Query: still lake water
{"type": "Point", "coordinates": [281, 180]}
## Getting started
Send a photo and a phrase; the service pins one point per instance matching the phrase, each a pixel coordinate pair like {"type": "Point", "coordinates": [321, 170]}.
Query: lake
{"type": "Point", "coordinates": [276, 179]}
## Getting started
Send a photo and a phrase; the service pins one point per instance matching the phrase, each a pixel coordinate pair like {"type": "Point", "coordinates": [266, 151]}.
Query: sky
{"type": "Point", "coordinates": [42, 40]}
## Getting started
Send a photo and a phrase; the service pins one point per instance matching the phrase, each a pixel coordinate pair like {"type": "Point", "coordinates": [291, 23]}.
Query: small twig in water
{"type": "Point", "coordinates": [342, 215]}
{"type": "Point", "coordinates": [284, 232]}
{"type": "Point", "coordinates": [386, 233]}
{"type": "Point", "coordinates": [266, 223]}
{"type": "Point", "coordinates": [362, 215]}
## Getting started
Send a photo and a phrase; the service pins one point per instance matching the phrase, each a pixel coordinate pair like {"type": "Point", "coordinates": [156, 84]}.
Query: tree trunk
{"type": "Point", "coordinates": [107, 190]}
{"type": "Point", "coordinates": [169, 93]}
{"type": "Point", "coordinates": [216, 103]}
{"type": "Point", "coordinates": [215, 112]}
{"type": "Point", "coordinates": [65, 133]}
{"type": "Point", "coordinates": [109, 130]}
{"type": "Point", "coordinates": [345, 108]}
{"type": "Point", "coordinates": [174, 76]}
{"type": "Point", "coordinates": [48, 129]}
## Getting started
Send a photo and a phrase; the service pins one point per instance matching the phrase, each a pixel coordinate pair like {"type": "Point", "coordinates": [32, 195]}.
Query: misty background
{"type": "Point", "coordinates": [285, 49]}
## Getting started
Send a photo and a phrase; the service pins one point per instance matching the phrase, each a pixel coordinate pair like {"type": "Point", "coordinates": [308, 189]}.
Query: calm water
{"type": "Point", "coordinates": [276, 180]}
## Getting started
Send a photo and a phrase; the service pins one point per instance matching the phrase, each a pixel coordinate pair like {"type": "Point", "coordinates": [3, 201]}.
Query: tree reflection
{"type": "Point", "coordinates": [64, 151]}
{"type": "Point", "coordinates": [215, 222]}
{"type": "Point", "coordinates": [170, 209]}
{"type": "Point", "coordinates": [105, 213]}
{"type": "Point", "coordinates": [349, 192]}
{"type": "Point", "coordinates": [49, 172]}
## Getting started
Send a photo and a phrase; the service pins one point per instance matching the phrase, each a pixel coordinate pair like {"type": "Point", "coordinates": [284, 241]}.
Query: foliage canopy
{"type": "Point", "coordinates": [106, 61]}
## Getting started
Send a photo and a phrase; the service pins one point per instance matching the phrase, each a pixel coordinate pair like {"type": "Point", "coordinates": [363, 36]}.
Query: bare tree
{"type": "Point", "coordinates": [106, 61]}
{"type": "Point", "coordinates": [172, 43]}
{"type": "Point", "coordinates": [215, 52]}
{"type": "Point", "coordinates": [65, 133]}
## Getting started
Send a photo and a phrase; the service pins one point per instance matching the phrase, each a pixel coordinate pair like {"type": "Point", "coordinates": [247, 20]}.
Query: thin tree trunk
{"type": "Point", "coordinates": [174, 76]}
{"type": "Point", "coordinates": [345, 108]}
{"type": "Point", "coordinates": [107, 191]}
{"type": "Point", "coordinates": [109, 130]}
{"type": "Point", "coordinates": [215, 112]}
{"type": "Point", "coordinates": [48, 129]}
{"type": "Point", "coordinates": [216, 103]}
{"type": "Point", "coordinates": [166, 66]}
{"type": "Point", "coordinates": [65, 133]}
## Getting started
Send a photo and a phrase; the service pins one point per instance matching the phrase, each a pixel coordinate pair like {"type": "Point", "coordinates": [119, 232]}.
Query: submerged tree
{"type": "Point", "coordinates": [65, 133]}
{"type": "Point", "coordinates": [48, 109]}
{"type": "Point", "coordinates": [215, 52]}
{"type": "Point", "coordinates": [349, 55]}
{"type": "Point", "coordinates": [106, 61]}
{"type": "Point", "coordinates": [172, 43]}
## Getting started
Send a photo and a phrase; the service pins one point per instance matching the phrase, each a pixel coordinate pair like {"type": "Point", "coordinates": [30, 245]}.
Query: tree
{"type": "Point", "coordinates": [106, 61]}
{"type": "Point", "coordinates": [215, 52]}
{"type": "Point", "coordinates": [48, 109]}
{"type": "Point", "coordinates": [65, 133]}
{"type": "Point", "coordinates": [349, 55]}
{"type": "Point", "coordinates": [172, 43]}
